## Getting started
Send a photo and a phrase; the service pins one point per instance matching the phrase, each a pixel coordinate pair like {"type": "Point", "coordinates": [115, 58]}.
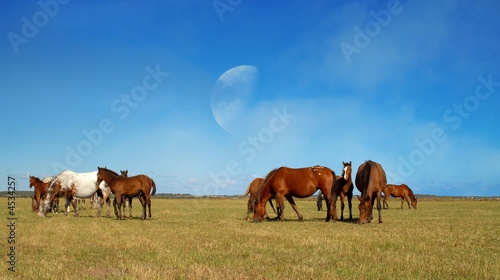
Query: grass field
{"type": "Point", "coordinates": [210, 239]}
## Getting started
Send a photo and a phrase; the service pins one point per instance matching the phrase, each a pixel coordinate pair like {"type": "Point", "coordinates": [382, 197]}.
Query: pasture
{"type": "Point", "coordinates": [210, 239]}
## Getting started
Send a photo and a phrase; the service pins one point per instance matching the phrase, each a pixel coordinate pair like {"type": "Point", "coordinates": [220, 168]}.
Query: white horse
{"type": "Point", "coordinates": [80, 185]}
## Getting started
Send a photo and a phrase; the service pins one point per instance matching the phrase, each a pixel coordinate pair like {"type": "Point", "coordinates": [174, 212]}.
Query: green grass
{"type": "Point", "coordinates": [210, 239]}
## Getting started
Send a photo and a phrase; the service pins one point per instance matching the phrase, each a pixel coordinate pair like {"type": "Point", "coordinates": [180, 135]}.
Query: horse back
{"type": "Point", "coordinates": [303, 182]}
{"type": "Point", "coordinates": [134, 184]}
{"type": "Point", "coordinates": [370, 178]}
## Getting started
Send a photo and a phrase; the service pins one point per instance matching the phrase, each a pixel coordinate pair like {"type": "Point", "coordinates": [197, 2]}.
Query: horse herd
{"type": "Point", "coordinates": [281, 183]}
{"type": "Point", "coordinates": [287, 183]}
{"type": "Point", "coordinates": [71, 185]}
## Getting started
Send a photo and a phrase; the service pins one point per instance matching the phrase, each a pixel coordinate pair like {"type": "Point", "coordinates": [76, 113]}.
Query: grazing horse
{"type": "Point", "coordinates": [319, 200]}
{"type": "Point", "coordinates": [123, 187]}
{"type": "Point", "coordinates": [287, 182]}
{"type": "Point", "coordinates": [54, 205]}
{"type": "Point", "coordinates": [252, 189]}
{"type": "Point", "coordinates": [402, 191]}
{"type": "Point", "coordinates": [71, 185]}
{"type": "Point", "coordinates": [40, 189]}
{"type": "Point", "coordinates": [346, 187]}
{"type": "Point", "coordinates": [370, 181]}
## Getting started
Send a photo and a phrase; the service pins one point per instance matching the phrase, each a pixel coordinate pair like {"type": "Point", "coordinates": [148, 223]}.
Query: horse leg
{"type": "Point", "coordinates": [294, 206]}
{"type": "Point", "coordinates": [385, 202]}
{"type": "Point", "coordinates": [124, 205]}
{"type": "Point", "coordinates": [333, 206]}
{"type": "Point", "coordinates": [149, 207]}
{"type": "Point", "coordinates": [280, 205]}
{"type": "Point", "coordinates": [114, 205]}
{"type": "Point", "coordinates": [130, 206]}
{"type": "Point", "coordinates": [75, 206]}
{"type": "Point", "coordinates": [271, 203]}
{"type": "Point", "coordinates": [379, 208]}
{"type": "Point", "coordinates": [99, 209]}
{"type": "Point", "coordinates": [402, 201]}
{"type": "Point", "coordinates": [342, 195]}
{"type": "Point", "coordinates": [66, 206]}
{"type": "Point", "coordinates": [249, 208]}
{"type": "Point", "coordinates": [349, 200]}
{"type": "Point", "coordinates": [143, 202]}
{"type": "Point", "coordinates": [119, 201]}
{"type": "Point", "coordinates": [408, 201]}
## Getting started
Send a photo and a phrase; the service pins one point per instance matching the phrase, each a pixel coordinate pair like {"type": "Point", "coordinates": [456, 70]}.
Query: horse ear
{"type": "Point", "coordinates": [359, 197]}
{"type": "Point", "coordinates": [349, 163]}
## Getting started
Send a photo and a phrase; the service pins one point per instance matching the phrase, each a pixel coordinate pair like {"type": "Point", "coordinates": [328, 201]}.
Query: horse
{"type": "Point", "coordinates": [346, 187]}
{"type": "Point", "coordinates": [370, 181]}
{"type": "Point", "coordinates": [139, 185]}
{"type": "Point", "coordinates": [319, 201]}
{"type": "Point", "coordinates": [287, 182]}
{"type": "Point", "coordinates": [70, 185]}
{"type": "Point", "coordinates": [40, 189]}
{"type": "Point", "coordinates": [402, 191]}
{"type": "Point", "coordinates": [252, 189]}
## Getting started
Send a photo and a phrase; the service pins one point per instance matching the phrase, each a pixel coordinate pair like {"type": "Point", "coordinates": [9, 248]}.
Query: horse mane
{"type": "Point", "coordinates": [37, 179]}
{"type": "Point", "coordinates": [364, 178]}
{"type": "Point", "coordinates": [412, 196]}
{"type": "Point", "coordinates": [262, 184]}
{"type": "Point", "coordinates": [109, 171]}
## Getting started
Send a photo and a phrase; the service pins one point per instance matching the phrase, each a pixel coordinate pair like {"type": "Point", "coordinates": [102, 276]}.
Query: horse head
{"type": "Point", "coordinates": [365, 209]}
{"type": "Point", "coordinates": [414, 202]}
{"type": "Point", "coordinates": [32, 181]}
{"type": "Point", "coordinates": [346, 172]}
{"type": "Point", "coordinates": [47, 198]}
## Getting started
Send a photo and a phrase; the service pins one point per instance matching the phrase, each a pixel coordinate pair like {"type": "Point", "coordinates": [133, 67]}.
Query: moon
{"type": "Point", "coordinates": [231, 97]}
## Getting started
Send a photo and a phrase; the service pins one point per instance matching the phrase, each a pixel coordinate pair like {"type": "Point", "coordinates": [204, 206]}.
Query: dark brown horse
{"type": "Point", "coordinates": [370, 181]}
{"type": "Point", "coordinates": [40, 189]}
{"type": "Point", "coordinates": [287, 183]}
{"type": "Point", "coordinates": [346, 187]}
{"type": "Point", "coordinates": [123, 187]}
{"type": "Point", "coordinates": [402, 191]}
{"type": "Point", "coordinates": [252, 189]}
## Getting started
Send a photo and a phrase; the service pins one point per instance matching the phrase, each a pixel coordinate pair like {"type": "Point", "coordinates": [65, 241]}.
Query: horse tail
{"type": "Point", "coordinates": [364, 180]}
{"type": "Point", "coordinates": [154, 187]}
{"type": "Point", "coordinates": [248, 189]}
{"type": "Point", "coordinates": [262, 185]}
{"type": "Point", "coordinates": [335, 187]}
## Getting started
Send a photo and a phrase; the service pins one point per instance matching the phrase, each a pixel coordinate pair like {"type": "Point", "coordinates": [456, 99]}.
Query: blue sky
{"type": "Point", "coordinates": [203, 96]}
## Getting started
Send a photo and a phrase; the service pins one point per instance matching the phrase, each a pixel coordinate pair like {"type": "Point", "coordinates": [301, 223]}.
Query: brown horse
{"type": "Point", "coordinates": [252, 189]}
{"type": "Point", "coordinates": [370, 181]}
{"type": "Point", "coordinates": [123, 187]}
{"type": "Point", "coordinates": [287, 182]}
{"type": "Point", "coordinates": [402, 191]}
{"type": "Point", "coordinates": [346, 187]}
{"type": "Point", "coordinates": [40, 189]}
